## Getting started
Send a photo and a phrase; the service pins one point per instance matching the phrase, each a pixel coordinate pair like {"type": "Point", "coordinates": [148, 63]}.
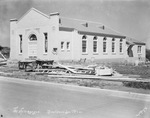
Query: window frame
{"type": "Point", "coordinates": [68, 45]}
{"type": "Point", "coordinates": [95, 46]}
{"type": "Point", "coordinates": [62, 45]}
{"type": "Point", "coordinates": [34, 37]}
{"type": "Point", "coordinates": [84, 39]}
{"type": "Point", "coordinates": [45, 42]}
{"type": "Point", "coordinates": [139, 49]}
{"type": "Point", "coordinates": [20, 44]}
{"type": "Point", "coordinates": [121, 46]}
{"type": "Point", "coordinates": [113, 45]}
{"type": "Point", "coordinates": [104, 45]}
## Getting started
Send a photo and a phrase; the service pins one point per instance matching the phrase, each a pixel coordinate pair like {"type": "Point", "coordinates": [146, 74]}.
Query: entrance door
{"type": "Point", "coordinates": [32, 46]}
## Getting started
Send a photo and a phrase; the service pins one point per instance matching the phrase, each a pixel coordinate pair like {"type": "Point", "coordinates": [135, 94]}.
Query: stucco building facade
{"type": "Point", "coordinates": [51, 37]}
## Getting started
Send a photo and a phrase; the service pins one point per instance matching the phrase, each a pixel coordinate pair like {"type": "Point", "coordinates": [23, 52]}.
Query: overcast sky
{"type": "Point", "coordinates": [130, 17]}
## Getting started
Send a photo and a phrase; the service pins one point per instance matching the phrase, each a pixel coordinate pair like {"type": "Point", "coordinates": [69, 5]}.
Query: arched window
{"type": "Point", "coordinates": [113, 45]}
{"type": "Point", "coordinates": [32, 37]}
{"type": "Point", "coordinates": [104, 44]}
{"type": "Point", "coordinates": [120, 45]}
{"type": "Point", "coordinates": [84, 44]}
{"type": "Point", "coordinates": [95, 44]}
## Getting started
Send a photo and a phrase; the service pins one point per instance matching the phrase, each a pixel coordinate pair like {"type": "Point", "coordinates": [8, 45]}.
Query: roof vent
{"type": "Point", "coordinates": [52, 14]}
{"type": "Point", "coordinates": [102, 27]}
{"type": "Point", "coordinates": [85, 24]}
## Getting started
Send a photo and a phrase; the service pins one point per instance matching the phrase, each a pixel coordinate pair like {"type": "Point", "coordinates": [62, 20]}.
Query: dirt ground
{"type": "Point", "coordinates": [130, 70]}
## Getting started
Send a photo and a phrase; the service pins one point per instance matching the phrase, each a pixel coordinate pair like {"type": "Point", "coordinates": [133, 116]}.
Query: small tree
{"type": "Point", "coordinates": [1, 48]}
{"type": "Point", "coordinates": [148, 54]}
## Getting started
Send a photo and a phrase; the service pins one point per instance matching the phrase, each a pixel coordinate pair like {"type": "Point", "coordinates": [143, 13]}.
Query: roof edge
{"type": "Point", "coordinates": [45, 15]}
{"type": "Point", "coordinates": [65, 29]}
{"type": "Point", "coordinates": [140, 43]}
{"type": "Point", "coordinates": [101, 34]}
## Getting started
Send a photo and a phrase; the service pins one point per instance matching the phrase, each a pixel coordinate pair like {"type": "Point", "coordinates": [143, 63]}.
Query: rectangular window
{"type": "Point", "coordinates": [139, 49]}
{"type": "Point", "coordinates": [94, 46]}
{"type": "Point", "coordinates": [62, 45]}
{"type": "Point", "coordinates": [46, 42]}
{"type": "Point", "coordinates": [20, 43]}
{"type": "Point", "coordinates": [68, 45]}
{"type": "Point", "coordinates": [113, 46]}
{"type": "Point", "coordinates": [120, 46]}
{"type": "Point", "coordinates": [84, 47]}
{"type": "Point", "coordinates": [104, 46]}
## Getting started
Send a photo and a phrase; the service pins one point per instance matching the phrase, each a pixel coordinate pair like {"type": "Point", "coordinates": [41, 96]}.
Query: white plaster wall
{"type": "Point", "coordinates": [100, 54]}
{"type": "Point", "coordinates": [34, 23]}
{"type": "Point", "coordinates": [65, 37]}
{"type": "Point", "coordinates": [136, 54]}
{"type": "Point", "coordinates": [32, 19]}
{"type": "Point", "coordinates": [38, 24]}
{"type": "Point", "coordinates": [13, 40]}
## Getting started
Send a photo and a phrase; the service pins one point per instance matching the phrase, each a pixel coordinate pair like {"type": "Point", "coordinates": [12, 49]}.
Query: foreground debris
{"type": "Point", "coordinates": [51, 67]}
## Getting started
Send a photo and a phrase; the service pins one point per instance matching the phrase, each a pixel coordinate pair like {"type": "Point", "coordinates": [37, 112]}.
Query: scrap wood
{"type": "Point", "coordinates": [69, 69]}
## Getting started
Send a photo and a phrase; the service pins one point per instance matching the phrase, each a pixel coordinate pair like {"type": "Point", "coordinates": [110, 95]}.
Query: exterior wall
{"type": "Point", "coordinates": [136, 55]}
{"type": "Point", "coordinates": [13, 41]}
{"type": "Point", "coordinates": [77, 46]}
{"type": "Point", "coordinates": [38, 24]}
{"type": "Point", "coordinates": [65, 54]}
{"type": "Point", "coordinates": [90, 55]}
{"type": "Point", "coordinates": [34, 23]}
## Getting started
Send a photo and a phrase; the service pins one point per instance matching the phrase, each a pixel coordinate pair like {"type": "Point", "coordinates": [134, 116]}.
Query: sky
{"type": "Point", "coordinates": [129, 17]}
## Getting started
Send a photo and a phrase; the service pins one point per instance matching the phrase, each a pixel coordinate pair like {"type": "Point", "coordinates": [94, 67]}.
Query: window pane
{"type": "Point", "coordinates": [33, 37]}
{"type": "Point", "coordinates": [20, 43]}
{"type": "Point", "coordinates": [68, 45]}
{"type": "Point", "coordinates": [62, 45]}
{"type": "Point", "coordinates": [94, 46]}
{"type": "Point", "coordinates": [139, 49]}
{"type": "Point", "coordinates": [120, 47]}
{"type": "Point", "coordinates": [46, 42]}
{"type": "Point", "coordinates": [113, 47]}
{"type": "Point", "coordinates": [84, 46]}
{"type": "Point", "coordinates": [104, 46]}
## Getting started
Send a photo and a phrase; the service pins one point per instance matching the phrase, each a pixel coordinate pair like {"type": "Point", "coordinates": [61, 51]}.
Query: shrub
{"type": "Point", "coordinates": [148, 54]}
{"type": "Point", "coordinates": [143, 85]}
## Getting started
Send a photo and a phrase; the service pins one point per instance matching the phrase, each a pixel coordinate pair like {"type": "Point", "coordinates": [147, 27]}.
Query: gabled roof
{"type": "Point", "coordinates": [88, 27]}
{"type": "Point", "coordinates": [133, 41]}
{"type": "Point", "coordinates": [45, 15]}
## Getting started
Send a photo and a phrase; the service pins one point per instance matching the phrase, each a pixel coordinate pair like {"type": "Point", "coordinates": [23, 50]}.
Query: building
{"type": "Point", "coordinates": [51, 37]}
